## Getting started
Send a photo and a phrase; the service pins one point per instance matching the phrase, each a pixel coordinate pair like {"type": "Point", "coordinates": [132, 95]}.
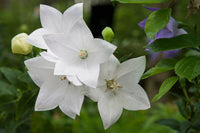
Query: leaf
{"type": "Point", "coordinates": [25, 78]}
{"type": "Point", "coordinates": [26, 103]}
{"type": "Point", "coordinates": [184, 127]}
{"type": "Point", "coordinates": [162, 66]}
{"type": "Point", "coordinates": [179, 42]}
{"type": "Point", "coordinates": [11, 74]}
{"type": "Point", "coordinates": [172, 123]}
{"type": "Point", "coordinates": [165, 87]}
{"type": "Point", "coordinates": [156, 21]}
{"type": "Point", "coordinates": [184, 108]}
{"type": "Point", "coordinates": [188, 67]}
{"type": "Point", "coordinates": [141, 1]}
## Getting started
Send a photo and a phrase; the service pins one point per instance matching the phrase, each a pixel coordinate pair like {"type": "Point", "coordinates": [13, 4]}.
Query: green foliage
{"type": "Point", "coordinates": [156, 21]}
{"type": "Point", "coordinates": [188, 67]}
{"type": "Point", "coordinates": [165, 87]}
{"type": "Point", "coordinates": [174, 124]}
{"type": "Point", "coordinates": [179, 42]}
{"type": "Point", "coordinates": [162, 66]}
{"type": "Point", "coordinates": [141, 1]}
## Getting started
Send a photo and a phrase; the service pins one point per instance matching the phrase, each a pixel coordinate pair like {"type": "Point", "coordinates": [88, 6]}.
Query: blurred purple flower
{"type": "Point", "coordinates": [170, 30]}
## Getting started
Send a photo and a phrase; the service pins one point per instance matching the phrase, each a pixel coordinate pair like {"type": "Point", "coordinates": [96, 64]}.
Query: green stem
{"type": "Point", "coordinates": [186, 95]}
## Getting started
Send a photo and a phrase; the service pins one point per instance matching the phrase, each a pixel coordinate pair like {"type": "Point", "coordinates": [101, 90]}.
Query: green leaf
{"type": "Point", "coordinates": [11, 74]}
{"type": "Point", "coordinates": [188, 67]}
{"type": "Point", "coordinates": [162, 66]}
{"type": "Point", "coordinates": [179, 42]}
{"type": "Point", "coordinates": [26, 103]}
{"type": "Point", "coordinates": [156, 21]}
{"type": "Point", "coordinates": [165, 87]}
{"type": "Point", "coordinates": [141, 1]}
{"type": "Point", "coordinates": [172, 123]}
{"type": "Point", "coordinates": [25, 78]}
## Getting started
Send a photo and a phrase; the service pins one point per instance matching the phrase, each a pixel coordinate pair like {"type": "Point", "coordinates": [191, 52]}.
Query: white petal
{"type": "Point", "coordinates": [99, 50]}
{"type": "Point", "coordinates": [39, 63]}
{"type": "Point", "coordinates": [72, 15]}
{"type": "Point", "coordinates": [88, 74]}
{"type": "Point", "coordinates": [72, 101]}
{"type": "Point", "coordinates": [74, 80]}
{"type": "Point", "coordinates": [108, 70]}
{"type": "Point", "coordinates": [180, 32]}
{"type": "Point", "coordinates": [35, 38]}
{"type": "Point", "coordinates": [134, 98]}
{"type": "Point", "coordinates": [40, 70]}
{"type": "Point", "coordinates": [66, 68]}
{"type": "Point", "coordinates": [110, 110]}
{"type": "Point", "coordinates": [51, 19]}
{"type": "Point", "coordinates": [80, 35]}
{"type": "Point", "coordinates": [136, 65]}
{"type": "Point", "coordinates": [59, 45]}
{"type": "Point", "coordinates": [49, 56]}
{"type": "Point", "coordinates": [94, 93]}
{"type": "Point", "coordinates": [50, 95]}
{"type": "Point", "coordinates": [132, 95]}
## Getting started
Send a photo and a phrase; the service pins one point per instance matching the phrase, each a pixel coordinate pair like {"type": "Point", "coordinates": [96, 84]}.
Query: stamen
{"type": "Point", "coordinates": [112, 85]}
{"type": "Point", "coordinates": [83, 54]}
{"type": "Point", "coordinates": [63, 77]}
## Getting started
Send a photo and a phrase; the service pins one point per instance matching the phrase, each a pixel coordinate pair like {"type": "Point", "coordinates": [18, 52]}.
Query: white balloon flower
{"type": "Point", "coordinates": [118, 88]}
{"type": "Point", "coordinates": [54, 22]}
{"type": "Point", "coordinates": [79, 54]}
{"type": "Point", "coordinates": [54, 90]}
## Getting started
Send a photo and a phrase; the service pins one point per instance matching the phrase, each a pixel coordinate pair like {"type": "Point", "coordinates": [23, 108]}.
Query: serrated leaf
{"type": "Point", "coordinates": [156, 21]}
{"type": "Point", "coordinates": [141, 1]}
{"type": "Point", "coordinates": [165, 87]}
{"type": "Point", "coordinates": [172, 123]}
{"type": "Point", "coordinates": [179, 42]}
{"type": "Point", "coordinates": [188, 67]}
{"type": "Point", "coordinates": [162, 66]}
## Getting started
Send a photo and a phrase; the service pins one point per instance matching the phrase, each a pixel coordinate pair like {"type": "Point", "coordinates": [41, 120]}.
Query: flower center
{"type": "Point", "coordinates": [64, 78]}
{"type": "Point", "coordinates": [112, 85]}
{"type": "Point", "coordinates": [83, 54]}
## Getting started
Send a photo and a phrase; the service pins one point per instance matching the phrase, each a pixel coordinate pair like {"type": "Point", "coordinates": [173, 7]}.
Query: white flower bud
{"type": "Point", "coordinates": [19, 44]}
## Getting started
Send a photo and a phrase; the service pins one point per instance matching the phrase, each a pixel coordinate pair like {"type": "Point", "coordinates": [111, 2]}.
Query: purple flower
{"type": "Point", "coordinates": [170, 30]}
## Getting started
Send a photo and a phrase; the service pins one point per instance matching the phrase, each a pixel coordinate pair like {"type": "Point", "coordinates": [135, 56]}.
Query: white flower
{"type": "Point", "coordinates": [118, 88]}
{"type": "Point", "coordinates": [79, 54]}
{"type": "Point", "coordinates": [53, 21]}
{"type": "Point", "coordinates": [54, 90]}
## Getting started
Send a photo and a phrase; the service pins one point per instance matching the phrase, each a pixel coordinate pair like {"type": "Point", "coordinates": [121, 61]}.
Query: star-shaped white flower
{"type": "Point", "coordinates": [118, 88]}
{"type": "Point", "coordinates": [54, 90]}
{"type": "Point", "coordinates": [79, 54]}
{"type": "Point", "coordinates": [53, 21]}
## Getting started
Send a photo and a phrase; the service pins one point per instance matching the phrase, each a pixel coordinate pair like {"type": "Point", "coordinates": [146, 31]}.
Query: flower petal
{"type": "Point", "coordinates": [99, 51]}
{"type": "Point", "coordinates": [108, 70]}
{"type": "Point", "coordinates": [133, 97]}
{"type": "Point", "coordinates": [180, 32]}
{"type": "Point", "coordinates": [49, 56]}
{"type": "Point", "coordinates": [94, 93]}
{"type": "Point", "coordinates": [135, 65]}
{"type": "Point", "coordinates": [71, 16]}
{"type": "Point", "coordinates": [110, 110]}
{"type": "Point", "coordinates": [51, 19]}
{"type": "Point", "coordinates": [142, 23]}
{"type": "Point", "coordinates": [73, 100]}
{"type": "Point", "coordinates": [172, 25]}
{"type": "Point", "coordinates": [74, 80]}
{"type": "Point", "coordinates": [88, 74]}
{"type": "Point", "coordinates": [50, 95]}
{"type": "Point", "coordinates": [35, 38]}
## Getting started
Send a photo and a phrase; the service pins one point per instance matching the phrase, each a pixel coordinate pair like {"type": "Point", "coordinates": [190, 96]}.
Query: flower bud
{"type": "Point", "coordinates": [108, 34]}
{"type": "Point", "coordinates": [19, 44]}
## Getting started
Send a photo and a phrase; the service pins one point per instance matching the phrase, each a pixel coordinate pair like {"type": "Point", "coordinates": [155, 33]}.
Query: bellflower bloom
{"type": "Point", "coordinates": [54, 90]}
{"type": "Point", "coordinates": [118, 88]}
{"type": "Point", "coordinates": [54, 22]}
{"type": "Point", "coordinates": [79, 54]}
{"type": "Point", "coordinates": [170, 30]}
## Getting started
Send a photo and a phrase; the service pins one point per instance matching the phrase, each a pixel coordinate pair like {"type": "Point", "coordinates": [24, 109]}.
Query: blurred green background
{"type": "Point", "coordinates": [18, 16]}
